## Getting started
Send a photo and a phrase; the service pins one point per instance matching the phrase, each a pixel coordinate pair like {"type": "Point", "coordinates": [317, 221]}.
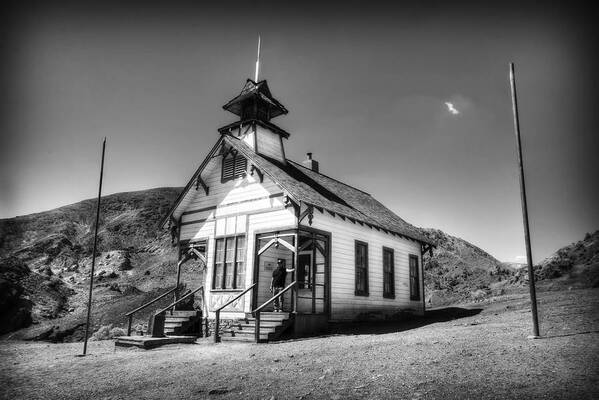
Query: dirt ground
{"type": "Point", "coordinates": [478, 351]}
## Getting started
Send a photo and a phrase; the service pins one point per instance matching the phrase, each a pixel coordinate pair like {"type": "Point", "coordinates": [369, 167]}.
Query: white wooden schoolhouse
{"type": "Point", "coordinates": [248, 205]}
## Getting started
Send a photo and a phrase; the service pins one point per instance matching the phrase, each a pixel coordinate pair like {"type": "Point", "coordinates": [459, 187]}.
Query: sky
{"type": "Point", "coordinates": [408, 102]}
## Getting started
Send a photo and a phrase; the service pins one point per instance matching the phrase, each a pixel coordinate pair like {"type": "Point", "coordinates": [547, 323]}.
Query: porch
{"type": "Point", "coordinates": [305, 298]}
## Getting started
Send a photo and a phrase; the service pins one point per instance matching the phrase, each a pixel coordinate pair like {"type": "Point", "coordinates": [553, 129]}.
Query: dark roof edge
{"type": "Point", "coordinates": [229, 139]}
{"type": "Point", "coordinates": [420, 240]}
{"type": "Point", "coordinates": [190, 183]}
{"type": "Point", "coordinates": [326, 176]}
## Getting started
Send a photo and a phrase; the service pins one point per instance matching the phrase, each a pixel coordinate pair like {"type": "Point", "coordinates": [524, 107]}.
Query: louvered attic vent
{"type": "Point", "coordinates": [234, 166]}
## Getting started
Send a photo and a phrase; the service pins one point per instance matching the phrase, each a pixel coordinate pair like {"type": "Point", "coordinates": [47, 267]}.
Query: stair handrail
{"type": "Point", "coordinates": [130, 313]}
{"type": "Point", "coordinates": [173, 304]}
{"type": "Point", "coordinates": [204, 313]}
{"type": "Point", "coordinates": [218, 310]}
{"type": "Point", "coordinates": [258, 310]}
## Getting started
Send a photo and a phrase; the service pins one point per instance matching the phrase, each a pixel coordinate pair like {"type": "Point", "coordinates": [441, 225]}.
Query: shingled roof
{"type": "Point", "coordinates": [321, 191]}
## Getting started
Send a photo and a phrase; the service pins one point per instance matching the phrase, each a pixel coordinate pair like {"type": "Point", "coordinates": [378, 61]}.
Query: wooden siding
{"type": "Point", "coordinates": [344, 303]}
{"type": "Point", "coordinates": [269, 144]}
{"type": "Point", "coordinates": [249, 138]}
{"type": "Point", "coordinates": [241, 206]}
{"type": "Point", "coordinates": [234, 197]}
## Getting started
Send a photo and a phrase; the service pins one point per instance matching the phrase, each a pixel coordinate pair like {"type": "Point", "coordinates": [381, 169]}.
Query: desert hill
{"type": "Point", "coordinates": [45, 261]}
{"type": "Point", "coordinates": [460, 271]}
{"type": "Point", "coordinates": [575, 265]}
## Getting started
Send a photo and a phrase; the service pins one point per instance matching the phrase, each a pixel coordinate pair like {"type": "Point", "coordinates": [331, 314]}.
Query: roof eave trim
{"type": "Point", "coordinates": [166, 218]}
{"type": "Point", "coordinates": [229, 139]}
{"type": "Point", "coordinates": [377, 226]}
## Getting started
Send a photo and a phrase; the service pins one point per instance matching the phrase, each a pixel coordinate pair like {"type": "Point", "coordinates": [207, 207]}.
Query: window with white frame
{"type": "Point", "coordinates": [229, 263]}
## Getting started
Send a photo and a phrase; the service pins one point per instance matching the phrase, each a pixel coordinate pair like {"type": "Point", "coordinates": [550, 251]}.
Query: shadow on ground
{"type": "Point", "coordinates": [411, 322]}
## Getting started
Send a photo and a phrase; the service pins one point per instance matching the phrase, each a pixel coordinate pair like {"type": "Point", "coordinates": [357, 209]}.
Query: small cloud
{"type": "Point", "coordinates": [520, 259]}
{"type": "Point", "coordinates": [451, 108]}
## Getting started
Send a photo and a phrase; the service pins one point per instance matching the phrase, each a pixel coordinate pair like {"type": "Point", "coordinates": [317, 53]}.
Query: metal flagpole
{"type": "Point", "coordinates": [91, 279]}
{"type": "Point", "coordinates": [531, 275]}
{"type": "Point", "coordinates": [257, 61]}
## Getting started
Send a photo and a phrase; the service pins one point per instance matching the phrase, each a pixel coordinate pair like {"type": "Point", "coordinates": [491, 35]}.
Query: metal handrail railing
{"type": "Point", "coordinates": [172, 305]}
{"type": "Point", "coordinates": [130, 313]}
{"type": "Point", "coordinates": [258, 310]}
{"type": "Point", "coordinates": [218, 310]}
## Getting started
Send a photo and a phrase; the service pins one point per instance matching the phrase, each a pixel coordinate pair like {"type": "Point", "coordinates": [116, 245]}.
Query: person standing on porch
{"type": "Point", "coordinates": [277, 283]}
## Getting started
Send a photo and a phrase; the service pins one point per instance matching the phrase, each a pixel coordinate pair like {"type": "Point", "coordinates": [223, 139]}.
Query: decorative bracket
{"type": "Point", "coordinates": [173, 227]}
{"type": "Point", "coordinates": [255, 169]}
{"type": "Point", "coordinates": [199, 183]}
{"type": "Point", "coordinates": [309, 212]}
{"type": "Point", "coordinates": [224, 150]}
{"type": "Point", "coordinates": [287, 202]}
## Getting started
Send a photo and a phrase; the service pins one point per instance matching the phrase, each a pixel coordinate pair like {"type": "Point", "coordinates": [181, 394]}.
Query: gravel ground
{"type": "Point", "coordinates": [484, 355]}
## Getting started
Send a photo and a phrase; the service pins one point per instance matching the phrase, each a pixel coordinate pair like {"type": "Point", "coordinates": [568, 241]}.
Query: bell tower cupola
{"type": "Point", "coordinates": [256, 107]}
{"type": "Point", "coordinates": [255, 102]}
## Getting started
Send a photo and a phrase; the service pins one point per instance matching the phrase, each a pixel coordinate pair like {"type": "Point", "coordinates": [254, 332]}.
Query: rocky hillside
{"type": "Point", "coordinates": [574, 265]}
{"type": "Point", "coordinates": [460, 271]}
{"type": "Point", "coordinates": [45, 260]}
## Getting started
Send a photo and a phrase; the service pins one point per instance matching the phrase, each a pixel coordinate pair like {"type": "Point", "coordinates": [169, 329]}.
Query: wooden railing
{"type": "Point", "coordinates": [130, 313]}
{"type": "Point", "coordinates": [257, 311]}
{"type": "Point", "coordinates": [173, 304]}
{"type": "Point", "coordinates": [218, 310]}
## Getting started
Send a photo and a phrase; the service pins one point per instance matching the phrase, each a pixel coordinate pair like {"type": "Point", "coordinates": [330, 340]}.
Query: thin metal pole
{"type": "Point", "coordinates": [531, 275]}
{"type": "Point", "coordinates": [91, 280]}
{"type": "Point", "coordinates": [257, 61]}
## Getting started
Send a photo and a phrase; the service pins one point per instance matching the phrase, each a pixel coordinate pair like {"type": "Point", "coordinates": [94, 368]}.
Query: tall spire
{"type": "Point", "coordinates": [257, 61]}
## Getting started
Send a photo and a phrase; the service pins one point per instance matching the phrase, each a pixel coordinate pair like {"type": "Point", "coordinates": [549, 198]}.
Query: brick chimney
{"type": "Point", "coordinates": [310, 163]}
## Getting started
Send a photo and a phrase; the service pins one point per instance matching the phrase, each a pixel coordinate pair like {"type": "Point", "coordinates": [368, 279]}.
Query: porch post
{"type": "Point", "coordinates": [294, 291]}
{"type": "Point", "coordinates": [181, 261]}
{"type": "Point", "coordinates": [313, 273]}
{"type": "Point", "coordinates": [179, 258]}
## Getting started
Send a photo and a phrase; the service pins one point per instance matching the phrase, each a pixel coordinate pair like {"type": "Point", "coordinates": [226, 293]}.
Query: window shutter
{"type": "Point", "coordinates": [240, 166]}
{"type": "Point", "coordinates": [234, 166]}
{"type": "Point", "coordinates": [228, 168]}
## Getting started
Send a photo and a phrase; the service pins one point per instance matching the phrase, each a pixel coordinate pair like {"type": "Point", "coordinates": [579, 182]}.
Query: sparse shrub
{"type": "Point", "coordinates": [114, 286]}
{"type": "Point", "coordinates": [127, 289]}
{"type": "Point", "coordinates": [102, 333]}
{"type": "Point", "coordinates": [139, 329]}
{"type": "Point", "coordinates": [107, 332]}
{"type": "Point", "coordinates": [116, 332]}
{"type": "Point", "coordinates": [53, 282]}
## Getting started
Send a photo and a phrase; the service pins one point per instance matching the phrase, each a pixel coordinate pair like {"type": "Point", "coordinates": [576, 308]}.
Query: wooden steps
{"type": "Point", "coordinates": [148, 342]}
{"type": "Point", "coordinates": [272, 325]}
{"type": "Point", "coordinates": [181, 323]}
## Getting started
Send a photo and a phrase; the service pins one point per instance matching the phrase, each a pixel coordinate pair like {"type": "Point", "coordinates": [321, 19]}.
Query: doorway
{"type": "Point", "coordinates": [306, 253]}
